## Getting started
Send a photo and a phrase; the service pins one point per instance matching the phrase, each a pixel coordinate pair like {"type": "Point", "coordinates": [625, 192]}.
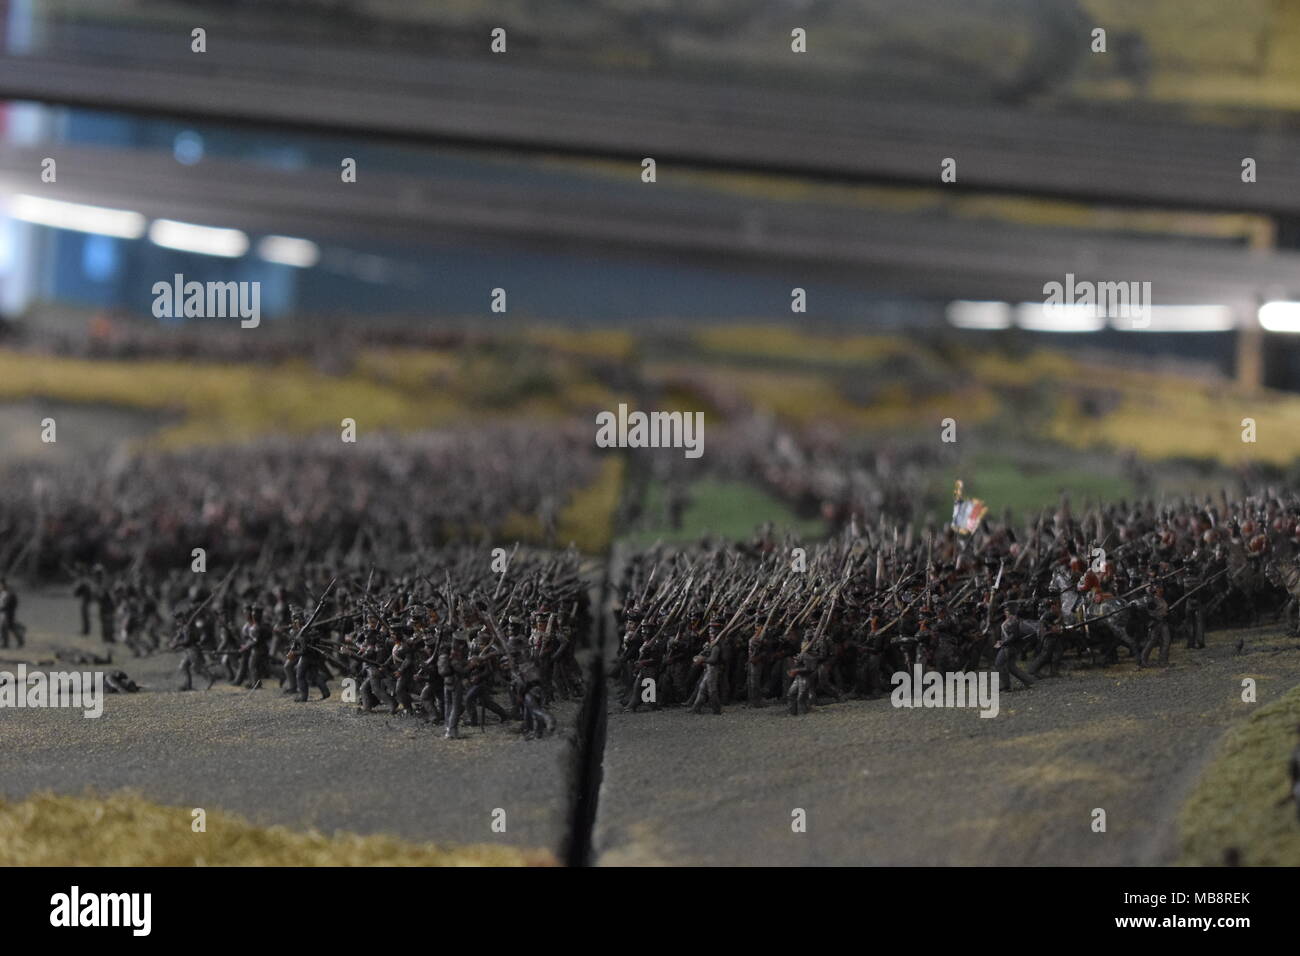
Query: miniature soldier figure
{"type": "Point", "coordinates": [1014, 634]}
{"type": "Point", "coordinates": [253, 649]}
{"type": "Point", "coordinates": [194, 661]}
{"type": "Point", "coordinates": [402, 661]}
{"type": "Point", "coordinates": [104, 598]}
{"type": "Point", "coordinates": [800, 691]}
{"type": "Point", "coordinates": [372, 669]}
{"type": "Point", "coordinates": [646, 669]}
{"type": "Point", "coordinates": [708, 691]}
{"type": "Point", "coordinates": [478, 699]}
{"type": "Point", "coordinates": [452, 670]}
{"type": "Point", "coordinates": [311, 667]}
{"type": "Point", "coordinates": [84, 591]}
{"type": "Point", "coordinates": [8, 621]}
{"type": "Point", "coordinates": [117, 682]}
{"type": "Point", "coordinates": [1158, 609]}
{"type": "Point", "coordinates": [289, 677]}
{"type": "Point", "coordinates": [676, 669]}
{"type": "Point", "coordinates": [431, 692]}
{"type": "Point", "coordinates": [527, 683]}
{"type": "Point", "coordinates": [1050, 651]}
{"type": "Point", "coordinates": [756, 662]}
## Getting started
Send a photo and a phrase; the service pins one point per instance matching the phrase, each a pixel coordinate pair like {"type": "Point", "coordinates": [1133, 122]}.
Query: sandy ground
{"type": "Point", "coordinates": [890, 786]}
{"type": "Point", "coordinates": [275, 761]}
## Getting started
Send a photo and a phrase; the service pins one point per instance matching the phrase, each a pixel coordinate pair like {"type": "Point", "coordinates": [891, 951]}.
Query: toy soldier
{"type": "Point", "coordinates": [526, 681]}
{"type": "Point", "coordinates": [401, 660]}
{"type": "Point", "coordinates": [629, 654]}
{"type": "Point", "coordinates": [539, 647]}
{"type": "Point", "coordinates": [281, 619]}
{"type": "Point", "coordinates": [1050, 649]}
{"type": "Point", "coordinates": [194, 661]}
{"type": "Point", "coordinates": [1158, 610]}
{"type": "Point", "coordinates": [676, 669]}
{"type": "Point", "coordinates": [803, 674]}
{"type": "Point", "coordinates": [872, 679]}
{"type": "Point", "coordinates": [708, 691]}
{"type": "Point", "coordinates": [372, 688]}
{"type": "Point", "coordinates": [117, 682]}
{"type": "Point", "coordinates": [756, 663]}
{"type": "Point", "coordinates": [1014, 634]}
{"type": "Point", "coordinates": [452, 669]}
{"type": "Point", "coordinates": [431, 691]}
{"type": "Point", "coordinates": [228, 650]}
{"type": "Point", "coordinates": [8, 621]}
{"type": "Point", "coordinates": [84, 591]}
{"type": "Point", "coordinates": [478, 698]}
{"type": "Point", "coordinates": [311, 666]}
{"type": "Point", "coordinates": [646, 670]}
{"type": "Point", "coordinates": [253, 648]}
{"type": "Point", "coordinates": [289, 677]}
{"type": "Point", "coordinates": [1194, 612]}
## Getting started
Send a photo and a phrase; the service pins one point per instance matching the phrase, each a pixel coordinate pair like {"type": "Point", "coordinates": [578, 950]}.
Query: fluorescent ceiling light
{"type": "Point", "coordinates": [1179, 318]}
{"type": "Point", "coordinates": [1280, 316]}
{"type": "Point", "coordinates": [205, 240]}
{"type": "Point", "coordinates": [78, 217]}
{"type": "Point", "coordinates": [965, 314]}
{"type": "Point", "coordinates": [286, 251]}
{"type": "Point", "coordinates": [1055, 317]}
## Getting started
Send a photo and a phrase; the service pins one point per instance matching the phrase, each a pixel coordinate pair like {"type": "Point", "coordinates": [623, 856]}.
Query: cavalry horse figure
{"type": "Point", "coordinates": [1098, 623]}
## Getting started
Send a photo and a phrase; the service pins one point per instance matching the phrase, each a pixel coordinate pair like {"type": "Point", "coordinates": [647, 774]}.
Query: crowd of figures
{"type": "Point", "coordinates": [452, 632]}
{"type": "Point", "coordinates": [438, 640]}
{"type": "Point", "coordinates": [770, 620]}
{"type": "Point", "coordinates": [281, 501]}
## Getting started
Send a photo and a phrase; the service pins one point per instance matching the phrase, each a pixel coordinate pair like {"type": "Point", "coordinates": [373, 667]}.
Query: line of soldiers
{"type": "Point", "coordinates": [437, 641]}
{"type": "Point", "coordinates": [269, 504]}
{"type": "Point", "coordinates": [770, 620]}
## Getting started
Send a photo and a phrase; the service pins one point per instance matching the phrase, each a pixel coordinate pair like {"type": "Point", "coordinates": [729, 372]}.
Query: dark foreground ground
{"type": "Point", "coordinates": [881, 785]}
{"type": "Point", "coordinates": [272, 760]}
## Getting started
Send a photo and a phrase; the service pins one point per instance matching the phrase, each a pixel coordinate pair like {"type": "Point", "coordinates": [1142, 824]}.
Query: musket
{"type": "Point", "coordinates": [509, 561]}
{"type": "Point", "coordinates": [220, 587]}
{"type": "Point", "coordinates": [319, 604]}
{"type": "Point", "coordinates": [735, 618]}
{"type": "Point", "coordinates": [823, 623]}
{"type": "Point", "coordinates": [1205, 583]}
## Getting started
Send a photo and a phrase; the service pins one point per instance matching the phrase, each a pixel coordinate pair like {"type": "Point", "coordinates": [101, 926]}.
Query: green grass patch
{"type": "Point", "coordinates": [1027, 489]}
{"type": "Point", "coordinates": [124, 829]}
{"type": "Point", "coordinates": [1236, 803]}
{"type": "Point", "coordinates": [732, 509]}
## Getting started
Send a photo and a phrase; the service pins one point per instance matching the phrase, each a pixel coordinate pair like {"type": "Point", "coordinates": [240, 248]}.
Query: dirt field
{"type": "Point", "coordinates": [264, 756]}
{"type": "Point", "coordinates": [881, 785]}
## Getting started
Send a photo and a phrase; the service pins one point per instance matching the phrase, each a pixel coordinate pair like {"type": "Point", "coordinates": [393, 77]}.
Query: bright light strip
{"type": "Point", "coordinates": [286, 251]}
{"type": "Point", "coordinates": [1042, 317]}
{"type": "Point", "coordinates": [78, 217]}
{"type": "Point", "coordinates": [205, 240]}
{"type": "Point", "coordinates": [966, 314]}
{"type": "Point", "coordinates": [1280, 316]}
{"type": "Point", "coordinates": [1179, 318]}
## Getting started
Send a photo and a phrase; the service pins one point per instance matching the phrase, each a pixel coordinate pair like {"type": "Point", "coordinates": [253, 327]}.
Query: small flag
{"type": "Point", "coordinates": [967, 513]}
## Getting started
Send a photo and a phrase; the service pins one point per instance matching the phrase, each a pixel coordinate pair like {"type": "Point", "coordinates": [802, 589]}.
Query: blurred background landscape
{"type": "Point", "coordinates": [776, 170]}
